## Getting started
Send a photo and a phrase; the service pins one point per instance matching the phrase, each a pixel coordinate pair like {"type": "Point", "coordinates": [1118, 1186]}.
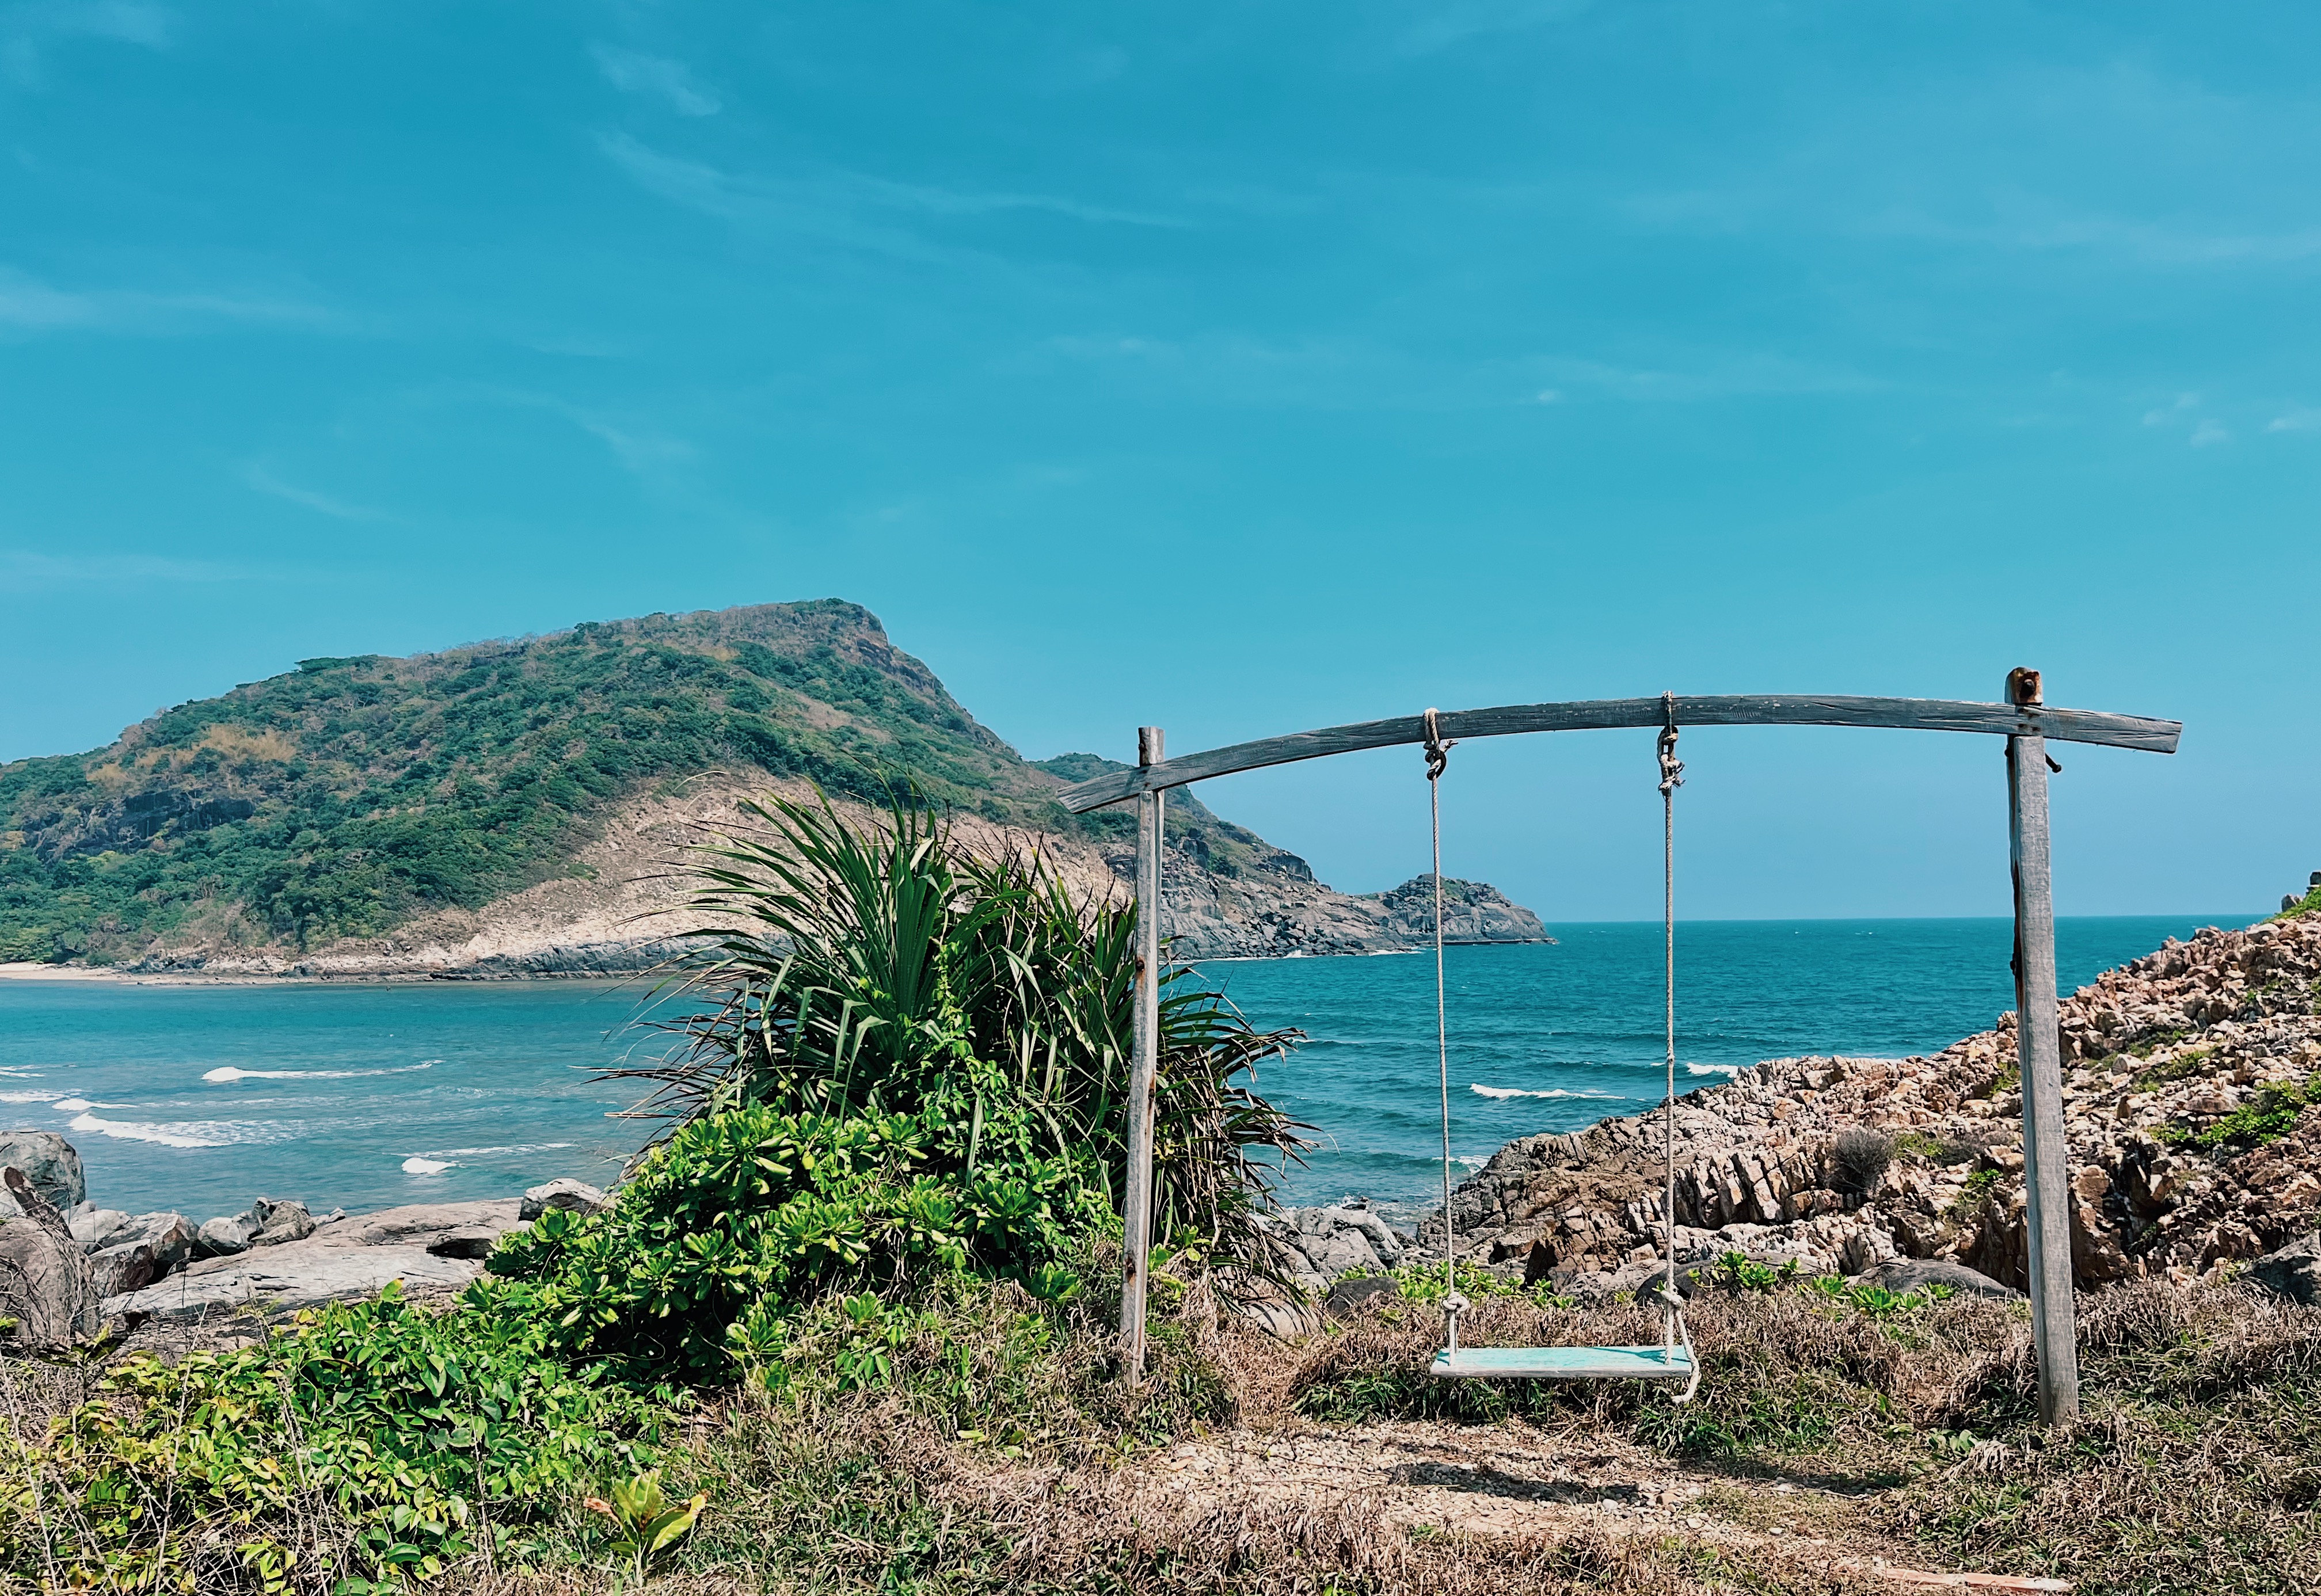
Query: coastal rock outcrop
{"type": "Point", "coordinates": [427, 1246]}
{"type": "Point", "coordinates": [2188, 1075]}
{"type": "Point", "coordinates": [46, 1286]}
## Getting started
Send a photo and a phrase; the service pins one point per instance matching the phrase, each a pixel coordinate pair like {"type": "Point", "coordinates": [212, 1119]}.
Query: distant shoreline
{"type": "Point", "coordinates": [83, 974]}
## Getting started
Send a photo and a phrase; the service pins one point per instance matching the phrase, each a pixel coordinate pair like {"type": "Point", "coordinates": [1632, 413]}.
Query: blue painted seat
{"type": "Point", "coordinates": [1564, 1363]}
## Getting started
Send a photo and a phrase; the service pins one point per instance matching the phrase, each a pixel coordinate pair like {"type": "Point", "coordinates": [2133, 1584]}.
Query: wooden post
{"type": "Point", "coordinates": [1143, 1069]}
{"type": "Point", "coordinates": [2038, 1051]}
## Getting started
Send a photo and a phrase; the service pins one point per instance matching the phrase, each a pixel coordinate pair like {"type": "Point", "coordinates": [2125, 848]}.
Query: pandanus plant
{"type": "Point", "coordinates": [872, 963]}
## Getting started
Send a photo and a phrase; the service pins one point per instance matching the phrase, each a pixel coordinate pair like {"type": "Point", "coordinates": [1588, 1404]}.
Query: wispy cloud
{"type": "Point", "coordinates": [25, 570]}
{"type": "Point", "coordinates": [2295, 420]}
{"type": "Point", "coordinates": [2171, 414]}
{"type": "Point", "coordinates": [2210, 432]}
{"type": "Point", "coordinates": [851, 209]}
{"type": "Point", "coordinates": [1337, 374]}
{"type": "Point", "coordinates": [1446, 24]}
{"type": "Point", "coordinates": [641, 452]}
{"type": "Point", "coordinates": [25, 29]}
{"type": "Point", "coordinates": [31, 305]}
{"type": "Point", "coordinates": [656, 77]}
{"type": "Point", "coordinates": [261, 479]}
{"type": "Point", "coordinates": [2036, 226]}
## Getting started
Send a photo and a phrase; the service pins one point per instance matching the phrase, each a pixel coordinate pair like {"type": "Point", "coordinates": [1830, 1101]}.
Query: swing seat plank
{"type": "Point", "coordinates": [1564, 1363]}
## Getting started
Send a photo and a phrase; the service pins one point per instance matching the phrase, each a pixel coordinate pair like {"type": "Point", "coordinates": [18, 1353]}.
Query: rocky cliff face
{"type": "Point", "coordinates": [2187, 1075]}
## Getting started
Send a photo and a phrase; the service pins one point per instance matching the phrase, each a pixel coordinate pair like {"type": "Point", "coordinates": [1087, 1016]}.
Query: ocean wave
{"type": "Point", "coordinates": [1714, 1069]}
{"type": "Point", "coordinates": [537, 1146]}
{"type": "Point", "coordinates": [30, 1096]}
{"type": "Point", "coordinates": [168, 1136]}
{"type": "Point", "coordinates": [424, 1166]}
{"type": "Point", "coordinates": [17, 1072]}
{"type": "Point", "coordinates": [1505, 1091]}
{"type": "Point", "coordinates": [226, 1072]}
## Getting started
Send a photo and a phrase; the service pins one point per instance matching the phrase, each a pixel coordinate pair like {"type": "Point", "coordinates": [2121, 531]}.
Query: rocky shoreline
{"type": "Point", "coordinates": [69, 1268]}
{"type": "Point", "coordinates": [2188, 1074]}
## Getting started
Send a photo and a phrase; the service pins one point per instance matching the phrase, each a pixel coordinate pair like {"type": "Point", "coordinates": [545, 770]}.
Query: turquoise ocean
{"type": "Point", "coordinates": [202, 1098]}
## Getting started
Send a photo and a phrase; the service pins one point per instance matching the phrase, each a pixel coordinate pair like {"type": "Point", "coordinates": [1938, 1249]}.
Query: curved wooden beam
{"type": "Point", "coordinates": [1776, 708]}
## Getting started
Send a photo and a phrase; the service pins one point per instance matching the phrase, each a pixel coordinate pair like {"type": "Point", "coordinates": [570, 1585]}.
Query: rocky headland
{"type": "Point", "coordinates": [2188, 1078]}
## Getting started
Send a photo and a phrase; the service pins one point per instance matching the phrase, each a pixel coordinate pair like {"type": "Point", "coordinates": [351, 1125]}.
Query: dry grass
{"type": "Point", "coordinates": [1006, 1458]}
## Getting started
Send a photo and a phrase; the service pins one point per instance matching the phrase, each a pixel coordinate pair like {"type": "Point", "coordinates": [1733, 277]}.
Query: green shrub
{"type": "Point", "coordinates": [377, 1438]}
{"type": "Point", "coordinates": [744, 1216]}
{"type": "Point", "coordinates": [2271, 1114]}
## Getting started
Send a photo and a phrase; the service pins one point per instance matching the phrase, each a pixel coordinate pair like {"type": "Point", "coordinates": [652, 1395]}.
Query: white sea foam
{"type": "Point", "coordinates": [227, 1073]}
{"type": "Point", "coordinates": [1714, 1069]}
{"type": "Point", "coordinates": [15, 1071]}
{"type": "Point", "coordinates": [74, 1105]}
{"type": "Point", "coordinates": [537, 1146]}
{"type": "Point", "coordinates": [424, 1166]}
{"type": "Point", "coordinates": [168, 1136]}
{"type": "Point", "coordinates": [30, 1096]}
{"type": "Point", "coordinates": [1505, 1091]}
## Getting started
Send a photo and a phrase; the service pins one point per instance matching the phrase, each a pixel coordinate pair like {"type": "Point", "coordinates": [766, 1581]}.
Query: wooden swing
{"type": "Point", "coordinates": [1673, 1358]}
{"type": "Point", "coordinates": [2027, 723]}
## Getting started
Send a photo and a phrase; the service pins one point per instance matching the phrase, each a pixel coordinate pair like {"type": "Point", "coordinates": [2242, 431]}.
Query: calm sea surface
{"type": "Point", "coordinates": [203, 1098]}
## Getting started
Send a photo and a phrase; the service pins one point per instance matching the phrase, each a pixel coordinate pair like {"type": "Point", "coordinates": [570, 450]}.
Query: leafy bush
{"type": "Point", "coordinates": [374, 1436]}
{"type": "Point", "coordinates": [745, 1215]}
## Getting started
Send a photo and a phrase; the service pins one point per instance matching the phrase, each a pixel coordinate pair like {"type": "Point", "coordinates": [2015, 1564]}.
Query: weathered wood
{"type": "Point", "coordinates": [2038, 1051]}
{"type": "Point", "coordinates": [1922, 714]}
{"type": "Point", "coordinates": [1136, 1186]}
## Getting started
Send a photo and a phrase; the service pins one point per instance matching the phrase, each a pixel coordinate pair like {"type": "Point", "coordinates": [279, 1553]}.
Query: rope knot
{"type": "Point", "coordinates": [1672, 767]}
{"type": "Point", "coordinates": [1438, 748]}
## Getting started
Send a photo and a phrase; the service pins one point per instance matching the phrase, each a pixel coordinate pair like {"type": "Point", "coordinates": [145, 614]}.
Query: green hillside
{"type": "Point", "coordinates": [352, 794]}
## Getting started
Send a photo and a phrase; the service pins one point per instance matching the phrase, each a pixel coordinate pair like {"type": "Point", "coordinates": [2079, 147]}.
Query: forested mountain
{"type": "Point", "coordinates": [353, 796]}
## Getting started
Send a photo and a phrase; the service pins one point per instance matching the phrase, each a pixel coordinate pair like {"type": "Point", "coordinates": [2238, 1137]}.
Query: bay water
{"type": "Point", "coordinates": [202, 1098]}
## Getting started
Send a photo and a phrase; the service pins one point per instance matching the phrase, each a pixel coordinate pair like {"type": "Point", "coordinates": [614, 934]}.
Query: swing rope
{"type": "Point", "coordinates": [1673, 1325]}
{"type": "Point", "coordinates": [1438, 760]}
{"type": "Point", "coordinates": [1673, 1330]}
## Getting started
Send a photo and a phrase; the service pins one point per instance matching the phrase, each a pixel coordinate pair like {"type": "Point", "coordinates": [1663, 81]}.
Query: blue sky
{"type": "Point", "coordinates": [1236, 369]}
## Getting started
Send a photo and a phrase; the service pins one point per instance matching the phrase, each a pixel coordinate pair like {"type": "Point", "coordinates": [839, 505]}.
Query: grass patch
{"type": "Point", "coordinates": [2183, 1066]}
{"type": "Point", "coordinates": [2272, 1114]}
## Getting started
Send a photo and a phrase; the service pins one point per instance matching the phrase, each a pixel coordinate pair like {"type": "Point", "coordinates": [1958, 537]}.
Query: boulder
{"type": "Point", "coordinates": [563, 1194]}
{"type": "Point", "coordinates": [225, 1236]}
{"type": "Point", "coordinates": [293, 1275]}
{"type": "Point", "coordinates": [124, 1267]}
{"type": "Point", "coordinates": [97, 1227]}
{"type": "Point", "coordinates": [49, 1162]}
{"type": "Point", "coordinates": [1337, 1240]}
{"type": "Point", "coordinates": [1351, 1297]}
{"type": "Point", "coordinates": [1911, 1274]}
{"type": "Point", "coordinates": [417, 1224]}
{"type": "Point", "coordinates": [2293, 1272]}
{"type": "Point", "coordinates": [468, 1241]}
{"type": "Point", "coordinates": [46, 1284]}
{"type": "Point", "coordinates": [170, 1235]}
{"type": "Point", "coordinates": [280, 1220]}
